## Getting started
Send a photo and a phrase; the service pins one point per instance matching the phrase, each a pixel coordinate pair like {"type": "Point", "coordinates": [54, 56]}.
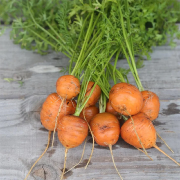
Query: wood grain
{"type": "Point", "coordinates": [23, 139]}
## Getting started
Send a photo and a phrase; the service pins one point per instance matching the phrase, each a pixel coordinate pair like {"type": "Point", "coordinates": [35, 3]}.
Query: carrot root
{"type": "Point", "coordinates": [144, 153]}
{"type": "Point", "coordinates": [164, 142]}
{"type": "Point", "coordinates": [166, 154]}
{"type": "Point", "coordinates": [110, 147]}
{"type": "Point", "coordinates": [57, 121]}
{"type": "Point", "coordinates": [49, 137]}
{"type": "Point", "coordinates": [80, 159]}
{"type": "Point", "coordinates": [93, 141]}
{"type": "Point", "coordinates": [65, 157]}
{"type": "Point", "coordinates": [91, 151]}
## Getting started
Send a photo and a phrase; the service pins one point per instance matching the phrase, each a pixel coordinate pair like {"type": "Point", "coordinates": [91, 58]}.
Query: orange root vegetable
{"type": "Point", "coordinates": [72, 131]}
{"type": "Point", "coordinates": [68, 87]}
{"type": "Point", "coordinates": [151, 105]}
{"type": "Point", "coordinates": [126, 99]}
{"type": "Point", "coordinates": [147, 134]}
{"type": "Point", "coordinates": [106, 129]}
{"type": "Point", "coordinates": [110, 109]}
{"type": "Point", "coordinates": [89, 112]}
{"type": "Point", "coordinates": [145, 131]}
{"type": "Point", "coordinates": [94, 96]}
{"type": "Point", "coordinates": [51, 114]}
{"type": "Point", "coordinates": [50, 110]}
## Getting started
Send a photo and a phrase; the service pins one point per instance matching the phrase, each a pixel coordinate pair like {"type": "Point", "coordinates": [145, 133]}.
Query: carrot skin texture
{"type": "Point", "coordinates": [50, 110]}
{"type": "Point", "coordinates": [151, 105]}
{"type": "Point", "coordinates": [144, 129]}
{"type": "Point", "coordinates": [110, 109]}
{"type": "Point", "coordinates": [72, 131]}
{"type": "Point", "coordinates": [106, 129]}
{"type": "Point", "coordinates": [89, 113]}
{"type": "Point", "coordinates": [68, 86]}
{"type": "Point", "coordinates": [94, 96]}
{"type": "Point", "coordinates": [126, 99]}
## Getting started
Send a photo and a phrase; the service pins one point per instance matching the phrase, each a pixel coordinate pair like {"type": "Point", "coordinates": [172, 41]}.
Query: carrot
{"type": "Point", "coordinates": [94, 96]}
{"type": "Point", "coordinates": [72, 131]}
{"type": "Point", "coordinates": [126, 99]}
{"type": "Point", "coordinates": [50, 109]}
{"type": "Point", "coordinates": [145, 131]}
{"type": "Point", "coordinates": [151, 105]}
{"type": "Point", "coordinates": [68, 86]}
{"type": "Point", "coordinates": [106, 129]}
{"type": "Point", "coordinates": [89, 112]}
{"type": "Point", "coordinates": [50, 114]}
{"type": "Point", "coordinates": [110, 109]}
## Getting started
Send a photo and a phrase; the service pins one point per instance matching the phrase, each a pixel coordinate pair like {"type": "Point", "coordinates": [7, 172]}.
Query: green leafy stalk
{"type": "Point", "coordinates": [130, 50]}
{"type": "Point", "coordinates": [84, 45]}
{"type": "Point", "coordinates": [77, 44]}
{"type": "Point", "coordinates": [102, 103]}
{"type": "Point", "coordinates": [82, 99]}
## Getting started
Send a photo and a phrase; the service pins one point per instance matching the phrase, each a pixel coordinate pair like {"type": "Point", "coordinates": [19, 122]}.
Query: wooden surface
{"type": "Point", "coordinates": [23, 139]}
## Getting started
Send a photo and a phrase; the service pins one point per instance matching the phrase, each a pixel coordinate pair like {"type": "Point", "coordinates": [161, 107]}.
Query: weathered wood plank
{"type": "Point", "coordinates": [37, 71]}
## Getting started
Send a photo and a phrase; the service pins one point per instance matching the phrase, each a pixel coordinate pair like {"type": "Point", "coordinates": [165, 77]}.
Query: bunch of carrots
{"type": "Point", "coordinates": [137, 109]}
{"type": "Point", "coordinates": [124, 109]}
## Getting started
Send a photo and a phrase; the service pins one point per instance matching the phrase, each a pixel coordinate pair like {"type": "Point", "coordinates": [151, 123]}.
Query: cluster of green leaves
{"type": "Point", "coordinates": [151, 21]}
{"type": "Point", "coordinates": [92, 31]}
{"type": "Point", "coordinates": [39, 24]}
{"type": "Point", "coordinates": [154, 20]}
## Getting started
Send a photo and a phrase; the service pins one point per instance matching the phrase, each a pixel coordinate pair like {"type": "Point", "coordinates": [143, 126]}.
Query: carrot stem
{"type": "Point", "coordinates": [79, 160]}
{"type": "Point", "coordinates": [65, 157]}
{"type": "Point", "coordinates": [164, 142]}
{"type": "Point", "coordinates": [88, 34]}
{"type": "Point", "coordinates": [57, 120]}
{"type": "Point", "coordinates": [166, 154]}
{"type": "Point", "coordinates": [49, 137]}
{"type": "Point", "coordinates": [110, 147]}
{"type": "Point", "coordinates": [76, 46]}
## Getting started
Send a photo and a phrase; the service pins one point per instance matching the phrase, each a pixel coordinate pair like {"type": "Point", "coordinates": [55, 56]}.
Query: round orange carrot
{"type": "Point", "coordinates": [89, 113]}
{"type": "Point", "coordinates": [106, 129]}
{"type": "Point", "coordinates": [68, 86]}
{"type": "Point", "coordinates": [50, 110]}
{"type": "Point", "coordinates": [110, 109]}
{"type": "Point", "coordinates": [72, 131]}
{"type": "Point", "coordinates": [144, 128]}
{"type": "Point", "coordinates": [151, 105]}
{"type": "Point", "coordinates": [126, 99]}
{"type": "Point", "coordinates": [95, 94]}
{"type": "Point", "coordinates": [140, 126]}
